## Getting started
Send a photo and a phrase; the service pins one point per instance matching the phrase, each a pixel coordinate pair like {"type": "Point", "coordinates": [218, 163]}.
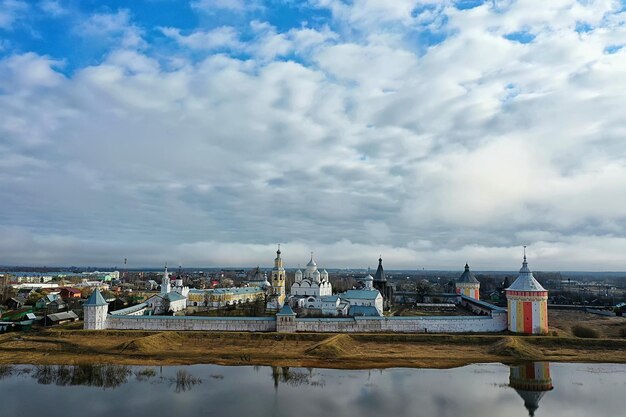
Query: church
{"type": "Point", "coordinates": [168, 300]}
{"type": "Point", "coordinates": [312, 282]}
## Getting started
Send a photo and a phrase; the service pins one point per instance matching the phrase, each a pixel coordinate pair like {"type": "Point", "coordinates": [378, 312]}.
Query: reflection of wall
{"type": "Point", "coordinates": [531, 381]}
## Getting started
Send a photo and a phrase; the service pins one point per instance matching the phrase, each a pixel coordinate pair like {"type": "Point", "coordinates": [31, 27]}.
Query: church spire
{"type": "Point", "coordinates": [380, 271]}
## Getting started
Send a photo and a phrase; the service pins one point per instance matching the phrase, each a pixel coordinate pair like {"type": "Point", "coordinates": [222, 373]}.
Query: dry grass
{"type": "Point", "coordinates": [305, 350]}
{"type": "Point", "coordinates": [562, 321]}
{"type": "Point", "coordinates": [515, 348]}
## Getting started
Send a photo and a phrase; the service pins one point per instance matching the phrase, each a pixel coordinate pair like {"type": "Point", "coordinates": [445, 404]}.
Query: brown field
{"type": "Point", "coordinates": [70, 345]}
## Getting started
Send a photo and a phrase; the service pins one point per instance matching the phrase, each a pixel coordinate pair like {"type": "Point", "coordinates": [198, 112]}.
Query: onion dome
{"type": "Point", "coordinates": [525, 280]}
{"type": "Point", "coordinates": [467, 276]}
{"type": "Point", "coordinates": [316, 276]}
{"type": "Point", "coordinates": [368, 278]}
{"type": "Point", "coordinates": [324, 275]}
{"type": "Point", "coordinates": [298, 275]}
{"type": "Point", "coordinates": [311, 266]}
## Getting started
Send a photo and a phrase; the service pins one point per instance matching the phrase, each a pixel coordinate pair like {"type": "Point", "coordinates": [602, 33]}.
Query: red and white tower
{"type": "Point", "coordinates": [527, 303]}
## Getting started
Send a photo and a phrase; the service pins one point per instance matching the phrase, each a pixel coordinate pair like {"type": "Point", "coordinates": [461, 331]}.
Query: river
{"type": "Point", "coordinates": [484, 390]}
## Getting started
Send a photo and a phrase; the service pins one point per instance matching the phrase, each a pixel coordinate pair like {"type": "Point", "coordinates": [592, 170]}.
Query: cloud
{"type": "Point", "coordinates": [112, 27]}
{"type": "Point", "coordinates": [350, 143]}
{"type": "Point", "coordinates": [10, 12]}
{"type": "Point", "coordinates": [222, 37]}
{"type": "Point", "coordinates": [53, 8]}
{"type": "Point", "coordinates": [215, 6]}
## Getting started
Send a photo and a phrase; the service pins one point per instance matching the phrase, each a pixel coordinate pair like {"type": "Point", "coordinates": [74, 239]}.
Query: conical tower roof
{"type": "Point", "coordinates": [380, 272]}
{"type": "Point", "coordinates": [95, 299]}
{"type": "Point", "coordinates": [525, 280]}
{"type": "Point", "coordinates": [467, 277]}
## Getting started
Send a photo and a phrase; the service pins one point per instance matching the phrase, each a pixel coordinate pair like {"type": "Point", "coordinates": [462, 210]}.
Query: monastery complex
{"type": "Point", "coordinates": [355, 310]}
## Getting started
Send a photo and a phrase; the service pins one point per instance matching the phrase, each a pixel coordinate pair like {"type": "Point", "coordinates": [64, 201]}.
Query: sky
{"type": "Point", "coordinates": [204, 132]}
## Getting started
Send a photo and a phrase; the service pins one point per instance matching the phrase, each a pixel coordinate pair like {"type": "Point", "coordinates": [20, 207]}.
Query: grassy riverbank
{"type": "Point", "coordinates": [305, 350]}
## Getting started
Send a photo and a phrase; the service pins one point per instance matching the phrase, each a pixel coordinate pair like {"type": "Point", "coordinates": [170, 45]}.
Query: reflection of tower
{"type": "Point", "coordinates": [531, 381]}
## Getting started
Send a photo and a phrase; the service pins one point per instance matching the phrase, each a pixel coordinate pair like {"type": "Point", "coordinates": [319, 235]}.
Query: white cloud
{"type": "Point", "coordinates": [222, 37]}
{"type": "Point", "coordinates": [11, 11]}
{"type": "Point", "coordinates": [215, 6]}
{"type": "Point", "coordinates": [53, 8]}
{"type": "Point", "coordinates": [113, 27]}
{"type": "Point", "coordinates": [349, 144]}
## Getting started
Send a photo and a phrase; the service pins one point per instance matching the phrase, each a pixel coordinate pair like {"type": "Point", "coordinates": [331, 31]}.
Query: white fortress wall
{"type": "Point", "coordinates": [418, 324]}
{"type": "Point", "coordinates": [181, 323]}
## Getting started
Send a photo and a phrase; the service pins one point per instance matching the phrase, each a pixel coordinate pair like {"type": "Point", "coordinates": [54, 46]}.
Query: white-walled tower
{"type": "Point", "coordinates": [95, 310]}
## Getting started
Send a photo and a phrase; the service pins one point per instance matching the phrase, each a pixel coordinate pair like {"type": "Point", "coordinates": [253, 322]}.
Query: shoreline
{"type": "Point", "coordinates": [317, 350]}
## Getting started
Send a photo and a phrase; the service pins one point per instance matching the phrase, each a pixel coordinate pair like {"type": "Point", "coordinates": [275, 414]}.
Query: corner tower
{"type": "Point", "coordinates": [527, 303]}
{"type": "Point", "coordinates": [95, 312]}
{"type": "Point", "coordinates": [467, 284]}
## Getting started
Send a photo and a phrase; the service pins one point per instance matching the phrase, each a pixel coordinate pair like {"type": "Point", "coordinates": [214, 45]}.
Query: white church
{"type": "Point", "coordinates": [170, 299]}
{"type": "Point", "coordinates": [312, 282]}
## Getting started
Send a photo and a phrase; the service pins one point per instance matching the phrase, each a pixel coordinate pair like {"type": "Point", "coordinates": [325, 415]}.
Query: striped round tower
{"type": "Point", "coordinates": [467, 284]}
{"type": "Point", "coordinates": [527, 303]}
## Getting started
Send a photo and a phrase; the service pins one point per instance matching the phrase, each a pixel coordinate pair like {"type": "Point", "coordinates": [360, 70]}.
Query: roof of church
{"type": "Point", "coordinates": [362, 294]}
{"type": "Point", "coordinates": [96, 299]}
{"type": "Point", "coordinates": [367, 311]}
{"type": "Point", "coordinates": [380, 272]}
{"type": "Point", "coordinates": [467, 276]}
{"type": "Point", "coordinates": [525, 280]}
{"type": "Point", "coordinates": [173, 296]}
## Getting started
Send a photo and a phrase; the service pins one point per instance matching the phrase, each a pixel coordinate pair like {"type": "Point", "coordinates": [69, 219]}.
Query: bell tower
{"type": "Point", "coordinates": [278, 280]}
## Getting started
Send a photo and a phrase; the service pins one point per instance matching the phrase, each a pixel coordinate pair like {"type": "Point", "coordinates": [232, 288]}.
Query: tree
{"type": "Point", "coordinates": [422, 289]}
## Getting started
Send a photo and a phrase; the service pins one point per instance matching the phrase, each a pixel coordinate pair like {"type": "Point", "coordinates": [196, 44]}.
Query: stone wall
{"type": "Point", "coordinates": [497, 322]}
{"type": "Point", "coordinates": [419, 324]}
{"type": "Point", "coordinates": [181, 323]}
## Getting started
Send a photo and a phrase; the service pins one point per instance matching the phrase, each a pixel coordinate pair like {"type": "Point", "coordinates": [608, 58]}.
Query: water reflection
{"type": "Point", "coordinates": [104, 376]}
{"type": "Point", "coordinates": [295, 377]}
{"type": "Point", "coordinates": [483, 390]}
{"type": "Point", "coordinates": [531, 381]}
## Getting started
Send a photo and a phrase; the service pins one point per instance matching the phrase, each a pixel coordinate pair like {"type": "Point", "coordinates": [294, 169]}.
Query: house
{"type": "Point", "coordinates": [56, 305]}
{"type": "Point", "coordinates": [44, 301]}
{"type": "Point", "coordinates": [70, 293]}
{"type": "Point", "coordinates": [15, 303]}
{"type": "Point", "coordinates": [60, 318]}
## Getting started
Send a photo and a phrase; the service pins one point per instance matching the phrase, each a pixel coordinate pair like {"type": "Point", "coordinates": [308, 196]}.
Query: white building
{"type": "Point", "coordinates": [167, 300]}
{"type": "Point", "coordinates": [364, 302]}
{"type": "Point", "coordinates": [312, 282]}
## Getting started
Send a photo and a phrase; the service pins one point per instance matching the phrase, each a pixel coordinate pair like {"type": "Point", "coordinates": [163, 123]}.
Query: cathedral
{"type": "Point", "coordinates": [312, 282]}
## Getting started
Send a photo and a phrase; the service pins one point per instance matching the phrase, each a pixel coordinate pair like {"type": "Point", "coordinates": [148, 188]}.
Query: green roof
{"type": "Point", "coordinates": [286, 311]}
{"type": "Point", "coordinates": [96, 299]}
